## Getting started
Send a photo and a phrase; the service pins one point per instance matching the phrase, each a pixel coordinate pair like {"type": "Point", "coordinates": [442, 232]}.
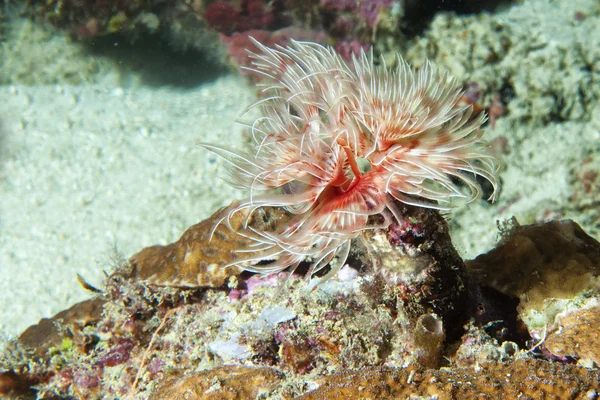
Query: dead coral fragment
{"type": "Point", "coordinates": [204, 255]}
{"type": "Point", "coordinates": [46, 333]}
{"type": "Point", "coordinates": [23, 362]}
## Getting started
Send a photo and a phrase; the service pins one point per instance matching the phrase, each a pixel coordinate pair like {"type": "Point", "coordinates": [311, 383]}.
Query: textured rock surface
{"type": "Point", "coordinates": [418, 256]}
{"type": "Point", "coordinates": [545, 266]}
{"type": "Point", "coordinates": [32, 351]}
{"type": "Point", "coordinates": [540, 261]}
{"type": "Point", "coordinates": [547, 73]}
{"type": "Point", "coordinates": [358, 318]}
{"type": "Point", "coordinates": [370, 332]}
{"type": "Point", "coordinates": [68, 324]}
{"type": "Point", "coordinates": [576, 335]}
{"type": "Point", "coordinates": [533, 379]}
{"type": "Point", "coordinates": [201, 256]}
{"type": "Point", "coordinates": [229, 382]}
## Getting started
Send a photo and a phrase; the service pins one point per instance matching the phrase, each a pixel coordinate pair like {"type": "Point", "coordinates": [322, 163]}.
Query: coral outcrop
{"type": "Point", "coordinates": [388, 325]}
{"type": "Point", "coordinates": [533, 379]}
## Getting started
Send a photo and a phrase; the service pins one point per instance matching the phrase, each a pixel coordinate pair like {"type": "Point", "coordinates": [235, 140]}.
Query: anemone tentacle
{"type": "Point", "coordinates": [338, 143]}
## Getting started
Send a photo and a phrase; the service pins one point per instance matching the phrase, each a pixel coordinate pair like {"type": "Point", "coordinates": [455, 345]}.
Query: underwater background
{"type": "Point", "coordinates": [102, 106]}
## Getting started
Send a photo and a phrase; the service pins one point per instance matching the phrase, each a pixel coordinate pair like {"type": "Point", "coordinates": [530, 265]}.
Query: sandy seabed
{"type": "Point", "coordinates": [92, 172]}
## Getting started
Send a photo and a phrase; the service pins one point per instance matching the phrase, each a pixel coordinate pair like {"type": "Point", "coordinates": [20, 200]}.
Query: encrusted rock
{"type": "Point", "coordinates": [418, 257]}
{"type": "Point", "coordinates": [546, 266]}
{"type": "Point", "coordinates": [576, 335]}
{"type": "Point", "coordinates": [531, 379]}
{"type": "Point", "coordinates": [228, 382]}
{"type": "Point", "coordinates": [201, 257]}
{"type": "Point", "coordinates": [404, 307]}
{"type": "Point", "coordinates": [22, 363]}
{"type": "Point", "coordinates": [68, 324]}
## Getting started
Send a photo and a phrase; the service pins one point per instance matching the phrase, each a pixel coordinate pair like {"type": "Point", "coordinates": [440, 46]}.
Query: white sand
{"type": "Point", "coordinates": [87, 170]}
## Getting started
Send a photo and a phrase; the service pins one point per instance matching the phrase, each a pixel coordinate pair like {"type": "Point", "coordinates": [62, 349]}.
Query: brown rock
{"type": "Point", "coordinates": [201, 257]}
{"type": "Point", "coordinates": [523, 379]}
{"type": "Point", "coordinates": [536, 262]}
{"type": "Point", "coordinates": [576, 335]}
{"type": "Point", "coordinates": [35, 343]}
{"type": "Point", "coordinates": [46, 333]}
{"type": "Point", "coordinates": [222, 383]}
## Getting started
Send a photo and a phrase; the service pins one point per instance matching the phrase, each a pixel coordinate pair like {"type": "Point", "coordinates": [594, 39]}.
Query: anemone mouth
{"type": "Point", "coordinates": [364, 165]}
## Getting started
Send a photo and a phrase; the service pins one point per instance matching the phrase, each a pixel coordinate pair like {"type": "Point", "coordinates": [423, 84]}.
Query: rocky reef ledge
{"type": "Point", "coordinates": [405, 318]}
